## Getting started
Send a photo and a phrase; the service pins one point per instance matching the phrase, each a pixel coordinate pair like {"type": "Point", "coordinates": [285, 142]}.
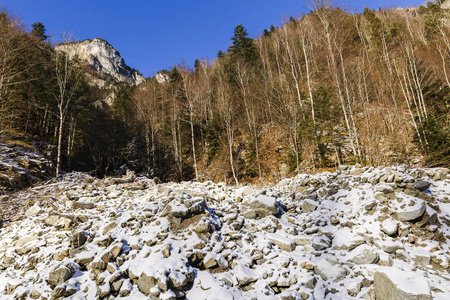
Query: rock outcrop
{"type": "Point", "coordinates": [99, 54]}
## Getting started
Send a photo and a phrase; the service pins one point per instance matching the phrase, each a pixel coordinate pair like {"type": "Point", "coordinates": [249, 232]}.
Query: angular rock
{"type": "Point", "coordinates": [78, 239]}
{"type": "Point", "coordinates": [363, 254]}
{"type": "Point", "coordinates": [245, 275]}
{"type": "Point", "coordinates": [285, 244]}
{"type": "Point", "coordinates": [421, 185]}
{"type": "Point", "coordinates": [145, 283]}
{"type": "Point", "coordinates": [59, 276]}
{"type": "Point", "coordinates": [412, 212]}
{"type": "Point", "coordinates": [345, 239]}
{"type": "Point", "coordinates": [330, 270]}
{"type": "Point", "coordinates": [309, 205]}
{"type": "Point", "coordinates": [264, 205]}
{"type": "Point", "coordinates": [389, 227]}
{"type": "Point", "coordinates": [391, 283]}
{"type": "Point", "coordinates": [321, 242]}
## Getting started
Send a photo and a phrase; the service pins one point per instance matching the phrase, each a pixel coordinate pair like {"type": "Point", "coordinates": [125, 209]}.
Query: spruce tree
{"type": "Point", "coordinates": [243, 46]}
{"type": "Point", "coordinates": [38, 30]}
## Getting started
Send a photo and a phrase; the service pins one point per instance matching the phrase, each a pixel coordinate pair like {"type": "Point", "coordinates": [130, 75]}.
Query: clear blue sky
{"type": "Point", "coordinates": [156, 34]}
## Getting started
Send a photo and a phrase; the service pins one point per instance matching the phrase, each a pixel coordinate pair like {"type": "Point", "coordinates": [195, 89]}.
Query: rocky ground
{"type": "Point", "coordinates": [21, 165]}
{"type": "Point", "coordinates": [359, 233]}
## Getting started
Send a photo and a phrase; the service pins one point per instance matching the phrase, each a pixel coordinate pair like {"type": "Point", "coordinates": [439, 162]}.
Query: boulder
{"type": "Point", "coordinates": [78, 239]}
{"type": "Point", "coordinates": [309, 205]}
{"type": "Point", "coordinates": [330, 270]}
{"type": "Point", "coordinates": [145, 283]}
{"type": "Point", "coordinates": [59, 276]}
{"type": "Point", "coordinates": [363, 254]}
{"type": "Point", "coordinates": [389, 227]}
{"type": "Point", "coordinates": [391, 283]}
{"type": "Point", "coordinates": [245, 275]}
{"type": "Point", "coordinates": [321, 242]}
{"type": "Point", "coordinates": [421, 185]}
{"type": "Point", "coordinates": [285, 244]}
{"type": "Point", "coordinates": [345, 239]}
{"type": "Point", "coordinates": [412, 212]}
{"type": "Point", "coordinates": [264, 205]}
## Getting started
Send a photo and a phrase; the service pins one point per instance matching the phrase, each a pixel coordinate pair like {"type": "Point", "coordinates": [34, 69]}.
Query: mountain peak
{"type": "Point", "coordinates": [104, 58]}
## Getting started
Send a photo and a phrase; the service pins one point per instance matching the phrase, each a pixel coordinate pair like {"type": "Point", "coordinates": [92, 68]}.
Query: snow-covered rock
{"type": "Point", "coordinates": [196, 240]}
{"type": "Point", "coordinates": [391, 283]}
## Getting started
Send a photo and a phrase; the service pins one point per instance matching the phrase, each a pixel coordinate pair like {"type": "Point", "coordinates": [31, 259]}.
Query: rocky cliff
{"type": "Point", "coordinates": [99, 54]}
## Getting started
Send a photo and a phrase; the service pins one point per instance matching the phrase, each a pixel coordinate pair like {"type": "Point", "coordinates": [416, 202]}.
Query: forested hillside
{"type": "Point", "coordinates": [329, 88]}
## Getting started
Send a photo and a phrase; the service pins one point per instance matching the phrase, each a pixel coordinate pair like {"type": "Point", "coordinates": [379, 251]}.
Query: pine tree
{"type": "Point", "coordinates": [38, 30]}
{"type": "Point", "coordinates": [243, 46]}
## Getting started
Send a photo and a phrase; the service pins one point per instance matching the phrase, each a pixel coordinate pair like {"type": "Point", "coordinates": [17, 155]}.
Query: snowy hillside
{"type": "Point", "coordinates": [358, 233]}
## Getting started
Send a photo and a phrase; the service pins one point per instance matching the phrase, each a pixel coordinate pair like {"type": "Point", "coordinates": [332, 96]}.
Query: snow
{"type": "Point", "coordinates": [248, 264]}
{"type": "Point", "coordinates": [409, 282]}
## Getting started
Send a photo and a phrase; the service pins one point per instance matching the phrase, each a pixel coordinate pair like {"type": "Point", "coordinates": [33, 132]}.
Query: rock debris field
{"type": "Point", "coordinates": [358, 233]}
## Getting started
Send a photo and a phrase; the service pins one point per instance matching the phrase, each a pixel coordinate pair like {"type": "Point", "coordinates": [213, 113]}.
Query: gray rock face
{"type": "Point", "coordinates": [391, 283]}
{"type": "Point", "coordinates": [104, 57]}
{"type": "Point", "coordinates": [413, 212]}
{"type": "Point", "coordinates": [59, 276]}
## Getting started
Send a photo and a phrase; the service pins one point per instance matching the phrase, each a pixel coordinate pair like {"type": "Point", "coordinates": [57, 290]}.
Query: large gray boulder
{"type": "Point", "coordinates": [394, 284]}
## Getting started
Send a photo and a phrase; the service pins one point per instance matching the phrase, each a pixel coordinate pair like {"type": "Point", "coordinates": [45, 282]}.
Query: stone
{"type": "Point", "coordinates": [302, 240]}
{"type": "Point", "coordinates": [145, 283]}
{"type": "Point", "coordinates": [203, 227]}
{"type": "Point", "coordinates": [389, 227]}
{"type": "Point", "coordinates": [245, 275]}
{"type": "Point", "coordinates": [59, 276]}
{"type": "Point", "coordinates": [244, 191]}
{"type": "Point", "coordinates": [345, 239]}
{"type": "Point", "coordinates": [391, 246]}
{"type": "Point", "coordinates": [391, 283]}
{"type": "Point", "coordinates": [321, 242]}
{"type": "Point", "coordinates": [178, 279]}
{"type": "Point", "coordinates": [309, 205]}
{"type": "Point", "coordinates": [412, 212]}
{"type": "Point", "coordinates": [34, 210]}
{"type": "Point", "coordinates": [385, 189]}
{"type": "Point", "coordinates": [330, 270]}
{"type": "Point", "coordinates": [363, 254]}
{"type": "Point", "coordinates": [64, 290]}
{"type": "Point", "coordinates": [284, 243]}
{"type": "Point", "coordinates": [422, 185]}
{"type": "Point", "coordinates": [209, 261]}
{"type": "Point", "coordinates": [109, 227]}
{"type": "Point", "coordinates": [264, 205]}
{"type": "Point", "coordinates": [78, 239]}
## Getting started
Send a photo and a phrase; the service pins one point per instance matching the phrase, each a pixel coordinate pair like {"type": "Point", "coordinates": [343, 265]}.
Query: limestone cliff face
{"type": "Point", "coordinates": [99, 54]}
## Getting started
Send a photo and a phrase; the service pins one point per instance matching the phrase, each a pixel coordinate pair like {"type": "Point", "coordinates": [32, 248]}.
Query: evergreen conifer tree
{"type": "Point", "coordinates": [242, 46]}
{"type": "Point", "coordinates": [38, 30]}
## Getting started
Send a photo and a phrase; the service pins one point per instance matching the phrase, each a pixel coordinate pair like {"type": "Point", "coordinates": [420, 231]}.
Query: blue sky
{"type": "Point", "coordinates": [152, 35]}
